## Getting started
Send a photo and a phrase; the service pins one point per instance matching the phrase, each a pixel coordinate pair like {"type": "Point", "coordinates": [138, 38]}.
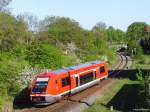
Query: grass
{"type": "Point", "coordinates": [112, 59]}
{"type": "Point", "coordinates": [143, 62]}
{"type": "Point", "coordinates": [5, 103]}
{"type": "Point", "coordinates": [125, 87]}
{"type": "Point", "coordinates": [113, 62]}
{"type": "Point", "coordinates": [100, 104]}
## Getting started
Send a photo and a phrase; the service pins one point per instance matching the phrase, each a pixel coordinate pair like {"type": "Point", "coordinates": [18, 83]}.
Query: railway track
{"type": "Point", "coordinates": [123, 64]}
{"type": "Point", "coordinates": [82, 98]}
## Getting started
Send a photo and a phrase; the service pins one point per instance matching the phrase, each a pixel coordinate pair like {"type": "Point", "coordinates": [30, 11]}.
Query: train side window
{"type": "Point", "coordinates": [65, 81]}
{"type": "Point", "coordinates": [76, 78]}
{"type": "Point", "coordinates": [86, 78]}
{"type": "Point", "coordinates": [102, 69]}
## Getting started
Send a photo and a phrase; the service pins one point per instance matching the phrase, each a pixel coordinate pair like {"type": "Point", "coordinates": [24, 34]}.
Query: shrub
{"type": "Point", "coordinates": [9, 77]}
{"type": "Point", "coordinates": [45, 56]}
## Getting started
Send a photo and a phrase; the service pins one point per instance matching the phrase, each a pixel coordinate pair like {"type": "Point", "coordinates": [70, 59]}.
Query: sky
{"type": "Point", "coordinates": [116, 13]}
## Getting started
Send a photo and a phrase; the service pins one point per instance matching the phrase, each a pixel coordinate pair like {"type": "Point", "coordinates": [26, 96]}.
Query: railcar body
{"type": "Point", "coordinates": [50, 87]}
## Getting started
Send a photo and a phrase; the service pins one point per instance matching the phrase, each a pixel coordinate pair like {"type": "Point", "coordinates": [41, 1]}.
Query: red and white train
{"type": "Point", "coordinates": [50, 87]}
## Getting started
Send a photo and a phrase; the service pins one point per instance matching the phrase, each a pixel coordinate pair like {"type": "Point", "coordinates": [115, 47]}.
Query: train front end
{"type": "Point", "coordinates": [40, 91]}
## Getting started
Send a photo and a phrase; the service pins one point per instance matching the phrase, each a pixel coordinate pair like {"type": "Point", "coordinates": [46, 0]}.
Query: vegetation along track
{"type": "Point", "coordinates": [82, 98]}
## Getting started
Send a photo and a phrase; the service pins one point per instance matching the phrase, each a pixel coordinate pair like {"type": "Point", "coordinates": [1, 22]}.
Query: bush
{"type": "Point", "coordinates": [45, 56]}
{"type": "Point", "coordinates": [134, 49]}
{"type": "Point", "coordinates": [9, 77]}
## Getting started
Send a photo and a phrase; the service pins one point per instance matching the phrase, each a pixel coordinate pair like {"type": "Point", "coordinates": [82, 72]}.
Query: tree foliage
{"type": "Point", "coordinates": [116, 35]}
{"type": "Point", "coordinates": [9, 77]}
{"type": "Point", "coordinates": [145, 44]}
{"type": "Point", "coordinates": [45, 56]}
{"type": "Point", "coordinates": [136, 31]}
{"type": "Point", "coordinates": [12, 32]}
{"type": "Point", "coordinates": [65, 30]}
{"type": "Point", "coordinates": [136, 34]}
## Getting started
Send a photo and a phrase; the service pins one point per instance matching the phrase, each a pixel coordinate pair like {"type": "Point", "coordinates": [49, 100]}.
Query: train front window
{"type": "Point", "coordinates": [40, 85]}
{"type": "Point", "coordinates": [102, 69]}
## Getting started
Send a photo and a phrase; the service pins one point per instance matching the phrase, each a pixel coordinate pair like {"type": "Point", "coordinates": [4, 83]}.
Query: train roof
{"type": "Point", "coordinates": [76, 67]}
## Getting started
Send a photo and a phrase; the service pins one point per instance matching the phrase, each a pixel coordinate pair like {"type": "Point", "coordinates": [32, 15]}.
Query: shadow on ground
{"type": "Point", "coordinates": [22, 100]}
{"type": "Point", "coordinates": [127, 99]}
{"type": "Point", "coordinates": [129, 73]}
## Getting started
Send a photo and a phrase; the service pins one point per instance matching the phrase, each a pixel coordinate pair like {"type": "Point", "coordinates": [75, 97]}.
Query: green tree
{"type": "Point", "coordinates": [65, 30]}
{"type": "Point", "coordinates": [9, 76]}
{"type": "Point", "coordinates": [134, 49]}
{"type": "Point", "coordinates": [116, 35]}
{"type": "Point", "coordinates": [100, 30]}
{"type": "Point", "coordinates": [145, 44]}
{"type": "Point", "coordinates": [136, 31]}
{"type": "Point", "coordinates": [45, 55]}
{"type": "Point", "coordinates": [12, 32]}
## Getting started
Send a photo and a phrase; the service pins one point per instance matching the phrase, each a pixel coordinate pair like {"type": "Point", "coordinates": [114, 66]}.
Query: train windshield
{"type": "Point", "coordinates": [40, 85]}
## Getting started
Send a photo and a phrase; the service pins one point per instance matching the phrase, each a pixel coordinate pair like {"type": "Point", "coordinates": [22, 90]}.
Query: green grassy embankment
{"type": "Point", "coordinates": [125, 94]}
{"type": "Point", "coordinates": [142, 63]}
{"type": "Point", "coordinates": [103, 103]}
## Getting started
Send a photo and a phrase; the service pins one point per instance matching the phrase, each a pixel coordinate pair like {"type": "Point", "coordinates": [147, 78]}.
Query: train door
{"type": "Point", "coordinates": [102, 69]}
{"type": "Point", "coordinates": [94, 75]}
{"type": "Point", "coordinates": [56, 85]}
{"type": "Point", "coordinates": [76, 80]}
